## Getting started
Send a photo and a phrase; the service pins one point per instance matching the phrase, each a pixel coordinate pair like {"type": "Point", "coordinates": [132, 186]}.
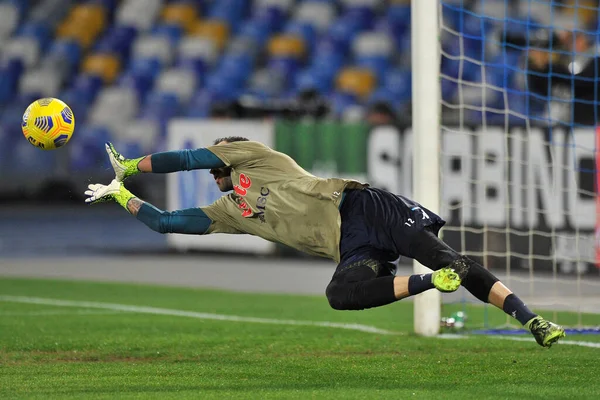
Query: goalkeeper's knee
{"type": "Point", "coordinates": [479, 281]}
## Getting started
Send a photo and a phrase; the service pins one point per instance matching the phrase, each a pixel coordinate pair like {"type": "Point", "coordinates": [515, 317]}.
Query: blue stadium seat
{"type": "Point", "coordinates": [87, 148]}
{"type": "Point", "coordinates": [305, 31]}
{"type": "Point", "coordinates": [117, 40]}
{"type": "Point", "coordinates": [342, 32]}
{"type": "Point", "coordinates": [88, 86]}
{"type": "Point", "coordinates": [399, 83]}
{"type": "Point", "coordinates": [258, 30]}
{"type": "Point", "coordinates": [362, 17]}
{"type": "Point", "coordinates": [160, 106]}
{"type": "Point", "coordinates": [68, 50]}
{"type": "Point", "coordinates": [272, 17]}
{"type": "Point", "coordinates": [231, 11]}
{"type": "Point", "coordinates": [385, 95]}
{"type": "Point", "coordinates": [377, 64]}
{"type": "Point", "coordinates": [37, 30]}
{"type": "Point", "coordinates": [10, 73]}
{"type": "Point", "coordinates": [340, 102]}
{"type": "Point", "coordinates": [287, 66]}
{"type": "Point", "coordinates": [173, 32]}
{"type": "Point", "coordinates": [236, 67]}
{"type": "Point", "coordinates": [312, 78]}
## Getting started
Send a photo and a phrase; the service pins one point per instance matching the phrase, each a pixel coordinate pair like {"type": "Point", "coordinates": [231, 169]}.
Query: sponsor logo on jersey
{"type": "Point", "coordinates": [241, 189]}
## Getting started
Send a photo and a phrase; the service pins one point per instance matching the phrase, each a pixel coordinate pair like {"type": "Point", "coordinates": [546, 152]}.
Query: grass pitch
{"type": "Point", "coordinates": [83, 350]}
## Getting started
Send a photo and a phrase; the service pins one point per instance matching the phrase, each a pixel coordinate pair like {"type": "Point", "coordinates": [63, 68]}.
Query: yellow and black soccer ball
{"type": "Point", "coordinates": [48, 123]}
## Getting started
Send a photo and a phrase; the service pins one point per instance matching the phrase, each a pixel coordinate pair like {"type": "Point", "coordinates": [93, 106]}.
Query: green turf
{"type": "Point", "coordinates": [70, 352]}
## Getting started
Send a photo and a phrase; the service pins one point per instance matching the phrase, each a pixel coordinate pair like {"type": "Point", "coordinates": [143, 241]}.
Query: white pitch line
{"type": "Point", "coordinates": [56, 312]}
{"type": "Point", "coordinates": [522, 339]}
{"type": "Point", "coordinates": [192, 314]}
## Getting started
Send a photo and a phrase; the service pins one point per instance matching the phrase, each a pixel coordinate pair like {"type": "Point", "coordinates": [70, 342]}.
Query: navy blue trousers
{"type": "Point", "coordinates": [377, 228]}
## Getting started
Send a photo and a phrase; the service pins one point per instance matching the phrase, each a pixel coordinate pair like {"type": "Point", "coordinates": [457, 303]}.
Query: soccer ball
{"type": "Point", "coordinates": [48, 123]}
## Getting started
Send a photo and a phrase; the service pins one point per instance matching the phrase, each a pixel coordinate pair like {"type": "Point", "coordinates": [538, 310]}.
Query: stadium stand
{"type": "Point", "coordinates": [128, 66]}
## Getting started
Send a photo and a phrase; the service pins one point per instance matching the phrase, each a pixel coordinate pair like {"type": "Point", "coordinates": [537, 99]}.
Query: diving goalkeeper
{"type": "Point", "coordinates": [361, 228]}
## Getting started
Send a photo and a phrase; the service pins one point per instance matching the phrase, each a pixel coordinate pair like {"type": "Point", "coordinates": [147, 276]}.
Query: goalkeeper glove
{"type": "Point", "coordinates": [115, 191]}
{"type": "Point", "coordinates": [123, 167]}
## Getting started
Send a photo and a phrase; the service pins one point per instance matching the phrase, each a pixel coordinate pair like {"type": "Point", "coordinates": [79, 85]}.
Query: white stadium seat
{"type": "Point", "coordinates": [372, 44]}
{"type": "Point", "coordinates": [144, 132]}
{"type": "Point", "coordinates": [114, 107]}
{"type": "Point", "coordinates": [9, 18]}
{"type": "Point", "coordinates": [138, 13]}
{"type": "Point", "coordinates": [21, 48]}
{"type": "Point", "coordinates": [362, 3]}
{"type": "Point", "coordinates": [181, 82]}
{"type": "Point", "coordinates": [45, 82]}
{"type": "Point", "coordinates": [318, 14]}
{"type": "Point", "coordinates": [198, 48]}
{"type": "Point", "coordinates": [157, 47]}
{"type": "Point", "coordinates": [284, 5]}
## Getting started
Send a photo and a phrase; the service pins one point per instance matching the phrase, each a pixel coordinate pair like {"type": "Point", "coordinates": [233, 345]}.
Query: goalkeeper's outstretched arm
{"type": "Point", "coordinates": [162, 163]}
{"type": "Point", "coordinates": [189, 221]}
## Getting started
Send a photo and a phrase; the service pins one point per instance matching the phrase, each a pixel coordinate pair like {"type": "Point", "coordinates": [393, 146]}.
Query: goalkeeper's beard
{"type": "Point", "coordinates": [224, 183]}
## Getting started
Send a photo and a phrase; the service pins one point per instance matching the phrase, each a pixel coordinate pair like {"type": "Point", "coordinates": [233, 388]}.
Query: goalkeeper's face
{"type": "Point", "coordinates": [222, 178]}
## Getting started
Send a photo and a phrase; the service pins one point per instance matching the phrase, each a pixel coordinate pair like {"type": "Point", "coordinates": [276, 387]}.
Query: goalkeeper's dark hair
{"type": "Point", "coordinates": [231, 139]}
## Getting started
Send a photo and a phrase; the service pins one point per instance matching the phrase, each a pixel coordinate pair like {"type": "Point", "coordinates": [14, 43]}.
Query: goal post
{"type": "Point", "coordinates": [506, 141]}
{"type": "Point", "coordinates": [425, 60]}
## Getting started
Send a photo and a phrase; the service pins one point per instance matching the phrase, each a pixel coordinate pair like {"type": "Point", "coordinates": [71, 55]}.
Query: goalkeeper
{"type": "Point", "coordinates": [363, 229]}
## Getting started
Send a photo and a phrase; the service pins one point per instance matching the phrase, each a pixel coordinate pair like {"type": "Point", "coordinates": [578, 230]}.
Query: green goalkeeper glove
{"type": "Point", "coordinates": [123, 167]}
{"type": "Point", "coordinates": [115, 191]}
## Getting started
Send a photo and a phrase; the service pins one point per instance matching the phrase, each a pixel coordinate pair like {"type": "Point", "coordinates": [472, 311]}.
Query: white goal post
{"type": "Point", "coordinates": [425, 59]}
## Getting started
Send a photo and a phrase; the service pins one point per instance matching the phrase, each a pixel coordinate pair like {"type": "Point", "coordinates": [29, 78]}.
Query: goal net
{"type": "Point", "coordinates": [519, 96]}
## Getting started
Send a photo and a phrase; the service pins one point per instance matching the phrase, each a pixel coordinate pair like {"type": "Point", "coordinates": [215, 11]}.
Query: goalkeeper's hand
{"type": "Point", "coordinates": [115, 191]}
{"type": "Point", "coordinates": [123, 167]}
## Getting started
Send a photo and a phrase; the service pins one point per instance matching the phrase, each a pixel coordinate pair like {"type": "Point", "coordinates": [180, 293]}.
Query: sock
{"type": "Point", "coordinates": [514, 307]}
{"type": "Point", "coordinates": [419, 283]}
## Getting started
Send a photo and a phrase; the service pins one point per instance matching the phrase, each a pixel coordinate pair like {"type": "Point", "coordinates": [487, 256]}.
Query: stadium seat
{"type": "Point", "coordinates": [230, 11]}
{"type": "Point", "coordinates": [160, 107]}
{"type": "Point", "coordinates": [117, 40]}
{"type": "Point", "coordinates": [256, 30]}
{"type": "Point", "coordinates": [105, 66]}
{"type": "Point", "coordinates": [313, 78]}
{"type": "Point", "coordinates": [172, 32]}
{"type": "Point", "coordinates": [25, 49]}
{"type": "Point", "coordinates": [266, 83]}
{"type": "Point", "coordinates": [44, 82]}
{"type": "Point", "coordinates": [214, 30]}
{"type": "Point", "coordinates": [87, 147]}
{"type": "Point", "coordinates": [9, 19]}
{"type": "Point", "coordinates": [303, 30]}
{"type": "Point", "coordinates": [180, 82]}
{"type": "Point", "coordinates": [67, 50]}
{"type": "Point", "coordinates": [153, 47]}
{"type": "Point", "coordinates": [194, 48]}
{"type": "Point", "coordinates": [272, 17]}
{"type": "Point", "coordinates": [49, 12]}
{"type": "Point", "coordinates": [318, 14]}
{"type": "Point", "coordinates": [243, 45]}
{"type": "Point", "coordinates": [140, 14]}
{"type": "Point", "coordinates": [286, 45]}
{"type": "Point", "coordinates": [88, 87]}
{"type": "Point", "coordinates": [284, 5]}
{"type": "Point", "coordinates": [138, 137]}
{"type": "Point", "coordinates": [114, 107]}
{"type": "Point", "coordinates": [84, 23]}
{"type": "Point", "coordinates": [342, 33]}
{"type": "Point", "coordinates": [38, 31]}
{"type": "Point", "coordinates": [10, 73]}
{"type": "Point", "coordinates": [399, 84]}
{"type": "Point", "coordinates": [181, 14]}
{"type": "Point", "coordinates": [356, 81]}
{"type": "Point", "coordinates": [372, 44]}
